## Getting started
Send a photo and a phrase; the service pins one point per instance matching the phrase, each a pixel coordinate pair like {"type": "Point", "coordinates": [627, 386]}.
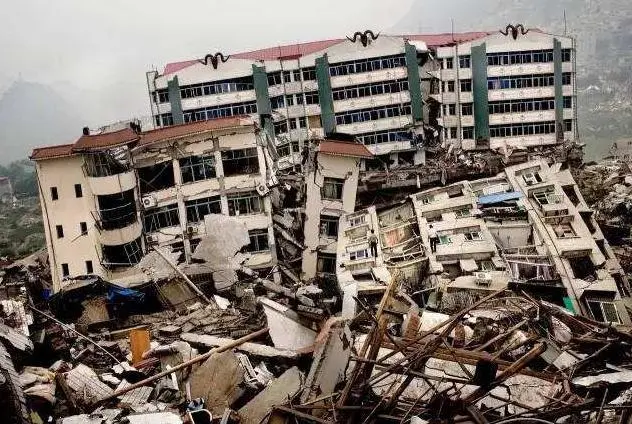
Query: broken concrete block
{"type": "Point", "coordinates": [276, 393]}
{"type": "Point", "coordinates": [252, 348]}
{"type": "Point", "coordinates": [218, 381]}
{"type": "Point", "coordinates": [285, 328]}
{"type": "Point", "coordinates": [85, 382]}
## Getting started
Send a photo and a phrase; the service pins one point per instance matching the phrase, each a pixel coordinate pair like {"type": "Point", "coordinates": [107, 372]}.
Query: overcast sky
{"type": "Point", "coordinates": [100, 44]}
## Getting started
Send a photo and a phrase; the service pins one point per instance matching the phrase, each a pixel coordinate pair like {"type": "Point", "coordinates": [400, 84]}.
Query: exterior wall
{"type": "Point", "coordinates": [479, 71]}
{"type": "Point", "coordinates": [68, 211]}
{"type": "Point", "coordinates": [342, 167]}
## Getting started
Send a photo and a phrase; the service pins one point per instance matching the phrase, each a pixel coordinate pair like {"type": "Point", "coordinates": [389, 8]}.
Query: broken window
{"type": "Point", "coordinates": [426, 200]}
{"type": "Point", "coordinates": [156, 177]}
{"type": "Point", "coordinates": [198, 208]}
{"type": "Point", "coordinates": [571, 194]}
{"type": "Point", "coordinates": [65, 272]}
{"type": "Point", "coordinates": [122, 255]}
{"type": "Point", "coordinates": [453, 131]}
{"type": "Point", "coordinates": [372, 114]}
{"type": "Point", "coordinates": [473, 236]}
{"type": "Point", "coordinates": [387, 136]}
{"type": "Point", "coordinates": [83, 228]}
{"type": "Point", "coordinates": [53, 193]}
{"type": "Point", "coordinates": [332, 188]}
{"type": "Point", "coordinates": [103, 164]}
{"type": "Point", "coordinates": [326, 263]}
{"type": "Point", "coordinates": [117, 210]}
{"type": "Point", "coordinates": [258, 241]}
{"type": "Point", "coordinates": [244, 203]}
{"type": "Point", "coordinates": [564, 231]}
{"type": "Point", "coordinates": [197, 168]}
{"type": "Point", "coordinates": [357, 220]}
{"type": "Point", "coordinates": [280, 127]}
{"type": "Point", "coordinates": [583, 268]}
{"type": "Point", "coordinates": [163, 217]}
{"type": "Point", "coordinates": [462, 213]}
{"type": "Point", "coordinates": [531, 178]}
{"type": "Point", "coordinates": [277, 102]}
{"type": "Point", "coordinates": [445, 239]}
{"type": "Point", "coordinates": [60, 231]}
{"type": "Point", "coordinates": [89, 267]}
{"type": "Point", "coordinates": [604, 311]}
{"type": "Point", "coordinates": [329, 226]}
{"type": "Point", "coordinates": [239, 162]}
{"type": "Point", "coordinates": [78, 191]}
{"type": "Point", "coordinates": [486, 265]}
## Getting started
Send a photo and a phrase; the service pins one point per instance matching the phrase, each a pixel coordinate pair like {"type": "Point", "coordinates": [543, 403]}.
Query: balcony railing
{"type": "Point", "coordinates": [116, 218]}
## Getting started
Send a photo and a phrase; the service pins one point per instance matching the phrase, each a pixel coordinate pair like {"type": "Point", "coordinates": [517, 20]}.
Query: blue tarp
{"type": "Point", "coordinates": [499, 197]}
{"type": "Point", "coordinates": [115, 291]}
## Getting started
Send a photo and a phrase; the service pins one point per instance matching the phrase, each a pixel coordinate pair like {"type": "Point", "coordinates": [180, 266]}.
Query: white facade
{"type": "Point", "coordinates": [153, 190]}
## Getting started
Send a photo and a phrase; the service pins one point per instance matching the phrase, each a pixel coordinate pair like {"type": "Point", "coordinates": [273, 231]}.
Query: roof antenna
{"type": "Point", "coordinates": [564, 21]}
{"type": "Point", "coordinates": [452, 28]}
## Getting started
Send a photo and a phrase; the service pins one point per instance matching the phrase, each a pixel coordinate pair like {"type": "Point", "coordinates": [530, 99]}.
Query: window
{"type": "Point", "coordinates": [280, 127]}
{"type": "Point", "coordinates": [309, 74]}
{"type": "Point", "coordinates": [566, 78]}
{"type": "Point", "coordinates": [65, 272]}
{"type": "Point", "coordinates": [451, 109]}
{"type": "Point", "coordinates": [326, 263]}
{"type": "Point", "coordinates": [89, 267]}
{"type": "Point", "coordinates": [468, 133]}
{"type": "Point", "coordinates": [289, 99]}
{"type": "Point", "coordinates": [467, 109]}
{"type": "Point", "coordinates": [160, 96]}
{"type": "Point", "coordinates": [277, 102]}
{"type": "Point", "coordinates": [122, 255]}
{"type": "Point", "coordinates": [244, 203]}
{"type": "Point", "coordinates": [53, 193]}
{"type": "Point", "coordinates": [156, 177]}
{"type": "Point", "coordinates": [287, 76]}
{"type": "Point", "coordinates": [60, 231]}
{"type": "Point", "coordinates": [453, 132]}
{"type": "Point", "coordinates": [464, 61]}
{"type": "Point", "coordinates": [359, 254]}
{"type": "Point", "coordinates": [473, 236]}
{"type": "Point", "coordinates": [258, 241]}
{"type": "Point", "coordinates": [197, 209]}
{"type": "Point", "coordinates": [427, 200]}
{"type": "Point", "coordinates": [197, 168]}
{"type": "Point", "coordinates": [217, 87]}
{"type": "Point", "coordinates": [372, 114]}
{"type": "Point", "coordinates": [486, 266]}
{"type": "Point", "coordinates": [531, 178]}
{"type": "Point", "coordinates": [370, 89]}
{"type": "Point", "coordinates": [243, 161]}
{"type": "Point", "coordinates": [566, 55]}
{"type": "Point", "coordinates": [568, 102]}
{"type": "Point", "coordinates": [445, 239]}
{"type": "Point", "coordinates": [83, 228]}
{"type": "Point", "coordinates": [302, 122]}
{"type": "Point", "coordinates": [450, 86]}
{"type": "Point", "coordinates": [329, 226]}
{"type": "Point", "coordinates": [568, 125]}
{"type": "Point", "coordinates": [604, 311]}
{"type": "Point", "coordinates": [564, 231]}
{"type": "Point", "coordinates": [332, 188]}
{"type": "Point", "coordinates": [387, 136]}
{"type": "Point", "coordinates": [296, 73]}
{"type": "Point", "coordinates": [222, 111]}
{"type": "Point", "coordinates": [522, 129]}
{"type": "Point", "coordinates": [274, 78]}
{"type": "Point", "coordinates": [366, 65]}
{"type": "Point", "coordinates": [164, 120]}
{"type": "Point", "coordinates": [466, 85]}
{"type": "Point", "coordinates": [163, 217]}
{"type": "Point", "coordinates": [357, 220]}
{"type": "Point", "coordinates": [78, 191]}
{"type": "Point", "coordinates": [311, 98]}
{"type": "Point", "coordinates": [462, 213]}
{"type": "Point", "coordinates": [449, 63]}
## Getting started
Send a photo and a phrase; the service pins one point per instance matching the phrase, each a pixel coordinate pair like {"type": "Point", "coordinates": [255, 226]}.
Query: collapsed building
{"type": "Point", "coordinates": [527, 229]}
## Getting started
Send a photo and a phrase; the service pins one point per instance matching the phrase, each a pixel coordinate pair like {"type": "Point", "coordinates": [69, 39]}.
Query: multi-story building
{"type": "Point", "coordinates": [507, 90]}
{"type": "Point", "coordinates": [108, 198]}
{"type": "Point", "coordinates": [394, 93]}
{"type": "Point", "coordinates": [528, 228]}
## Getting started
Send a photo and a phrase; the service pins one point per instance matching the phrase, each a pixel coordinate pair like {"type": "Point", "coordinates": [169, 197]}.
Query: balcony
{"type": "Point", "coordinates": [520, 69]}
{"type": "Point", "coordinates": [218, 99]}
{"type": "Point", "coordinates": [372, 101]}
{"type": "Point", "coordinates": [112, 184]}
{"type": "Point", "coordinates": [368, 77]}
{"type": "Point", "coordinates": [522, 93]}
{"type": "Point", "coordinates": [515, 118]}
{"type": "Point", "coordinates": [376, 125]}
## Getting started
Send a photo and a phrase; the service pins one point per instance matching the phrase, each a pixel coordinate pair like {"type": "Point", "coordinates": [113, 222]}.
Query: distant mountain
{"type": "Point", "coordinates": [32, 115]}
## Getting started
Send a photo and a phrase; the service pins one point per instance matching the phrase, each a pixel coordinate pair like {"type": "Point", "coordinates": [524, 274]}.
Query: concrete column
{"type": "Point", "coordinates": [414, 82]}
{"type": "Point", "coordinates": [176, 101]}
{"type": "Point", "coordinates": [324, 94]}
{"type": "Point", "coordinates": [559, 93]}
{"type": "Point", "coordinates": [480, 92]}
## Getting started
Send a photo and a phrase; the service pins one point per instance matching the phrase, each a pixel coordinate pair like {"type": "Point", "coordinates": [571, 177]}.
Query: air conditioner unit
{"type": "Point", "coordinates": [148, 201]}
{"type": "Point", "coordinates": [483, 279]}
{"type": "Point", "coordinates": [152, 239]}
{"type": "Point", "coordinates": [191, 230]}
{"type": "Point", "coordinates": [262, 189]}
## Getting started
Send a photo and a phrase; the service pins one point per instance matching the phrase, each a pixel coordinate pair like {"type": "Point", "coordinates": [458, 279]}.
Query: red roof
{"type": "Point", "coordinates": [105, 140]}
{"type": "Point", "coordinates": [182, 130]}
{"type": "Point", "coordinates": [344, 148]}
{"type": "Point", "coordinates": [301, 49]}
{"type": "Point", "coordinates": [51, 152]}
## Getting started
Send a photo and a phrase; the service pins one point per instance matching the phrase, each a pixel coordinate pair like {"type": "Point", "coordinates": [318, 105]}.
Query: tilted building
{"type": "Point", "coordinates": [110, 197]}
{"type": "Point", "coordinates": [528, 229]}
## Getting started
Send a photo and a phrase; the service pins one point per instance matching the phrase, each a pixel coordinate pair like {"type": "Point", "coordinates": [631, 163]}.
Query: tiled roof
{"type": "Point", "coordinates": [181, 130]}
{"type": "Point", "coordinates": [302, 49]}
{"type": "Point", "coordinates": [51, 152]}
{"type": "Point", "coordinates": [109, 139]}
{"type": "Point", "coordinates": [344, 148]}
